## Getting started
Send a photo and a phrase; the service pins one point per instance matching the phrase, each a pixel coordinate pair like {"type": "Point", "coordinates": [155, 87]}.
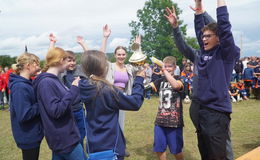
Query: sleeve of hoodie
{"type": "Point", "coordinates": [55, 106]}
{"type": "Point", "coordinates": [199, 23]}
{"type": "Point", "coordinates": [230, 51]}
{"type": "Point", "coordinates": [134, 101]}
{"type": "Point", "coordinates": [25, 110]}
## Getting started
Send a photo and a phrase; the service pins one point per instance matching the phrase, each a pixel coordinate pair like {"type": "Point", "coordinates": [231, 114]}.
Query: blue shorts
{"type": "Point", "coordinates": [172, 137]}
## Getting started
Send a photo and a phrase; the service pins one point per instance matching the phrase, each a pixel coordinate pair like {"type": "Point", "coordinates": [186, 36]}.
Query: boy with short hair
{"type": "Point", "coordinates": [215, 66]}
{"type": "Point", "coordinates": [169, 120]}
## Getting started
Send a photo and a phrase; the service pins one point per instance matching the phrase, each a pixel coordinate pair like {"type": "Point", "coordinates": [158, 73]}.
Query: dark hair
{"type": "Point", "coordinates": [212, 27]}
{"type": "Point", "coordinates": [120, 47]}
{"type": "Point", "coordinates": [95, 66]}
{"type": "Point", "coordinates": [71, 54]}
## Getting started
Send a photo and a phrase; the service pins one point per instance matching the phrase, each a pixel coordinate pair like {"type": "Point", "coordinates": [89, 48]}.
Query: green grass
{"type": "Point", "coordinates": [245, 128]}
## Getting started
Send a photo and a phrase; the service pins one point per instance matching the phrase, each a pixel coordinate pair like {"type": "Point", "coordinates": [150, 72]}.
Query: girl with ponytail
{"type": "Point", "coordinates": [55, 103]}
{"type": "Point", "coordinates": [24, 109]}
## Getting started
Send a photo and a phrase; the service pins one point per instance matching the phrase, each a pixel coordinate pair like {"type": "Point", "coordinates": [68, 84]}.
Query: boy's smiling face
{"type": "Point", "coordinates": [169, 67]}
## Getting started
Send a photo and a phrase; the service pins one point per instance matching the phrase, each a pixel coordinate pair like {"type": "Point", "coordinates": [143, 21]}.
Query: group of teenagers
{"type": "Point", "coordinates": [67, 102]}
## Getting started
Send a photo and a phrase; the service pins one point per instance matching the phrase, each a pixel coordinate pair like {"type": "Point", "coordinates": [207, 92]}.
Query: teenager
{"type": "Point", "coordinates": [119, 74]}
{"type": "Point", "coordinates": [55, 103]}
{"type": "Point", "coordinates": [67, 77]}
{"type": "Point", "coordinates": [24, 110]}
{"type": "Point", "coordinates": [193, 55]}
{"type": "Point", "coordinates": [215, 65]}
{"type": "Point", "coordinates": [103, 101]}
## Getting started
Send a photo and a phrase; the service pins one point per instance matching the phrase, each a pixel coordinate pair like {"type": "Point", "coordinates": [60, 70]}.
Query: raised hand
{"type": "Point", "coordinates": [171, 17]}
{"type": "Point", "coordinates": [138, 39]}
{"type": "Point", "coordinates": [80, 40]}
{"type": "Point", "coordinates": [82, 43]}
{"type": "Point", "coordinates": [106, 31]}
{"type": "Point", "coordinates": [76, 81]}
{"type": "Point", "coordinates": [198, 9]}
{"type": "Point", "coordinates": [52, 38]}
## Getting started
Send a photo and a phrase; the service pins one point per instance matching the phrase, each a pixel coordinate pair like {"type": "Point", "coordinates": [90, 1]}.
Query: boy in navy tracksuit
{"type": "Point", "coordinates": [215, 65]}
{"type": "Point", "coordinates": [24, 110]}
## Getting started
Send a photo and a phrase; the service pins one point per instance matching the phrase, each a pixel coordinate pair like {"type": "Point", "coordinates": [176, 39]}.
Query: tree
{"type": "Point", "coordinates": [157, 32]}
{"type": "Point", "coordinates": [6, 60]}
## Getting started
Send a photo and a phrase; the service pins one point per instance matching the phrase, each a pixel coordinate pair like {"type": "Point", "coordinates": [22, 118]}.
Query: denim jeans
{"type": "Point", "coordinates": [79, 115]}
{"type": "Point", "coordinates": [76, 154]}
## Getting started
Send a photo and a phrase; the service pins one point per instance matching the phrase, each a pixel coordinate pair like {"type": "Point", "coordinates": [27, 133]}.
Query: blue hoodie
{"type": "Point", "coordinates": [215, 66]}
{"type": "Point", "coordinates": [55, 102]}
{"type": "Point", "coordinates": [24, 110]}
{"type": "Point", "coordinates": [102, 114]}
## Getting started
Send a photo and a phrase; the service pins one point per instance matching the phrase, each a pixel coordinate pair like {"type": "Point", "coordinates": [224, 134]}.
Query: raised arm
{"type": "Point", "coordinates": [106, 34]}
{"type": "Point", "coordinates": [176, 84]}
{"type": "Point", "coordinates": [82, 43]}
{"type": "Point", "coordinates": [230, 51]}
{"type": "Point", "coordinates": [182, 46]}
{"type": "Point", "coordinates": [53, 41]}
{"type": "Point", "coordinates": [199, 22]}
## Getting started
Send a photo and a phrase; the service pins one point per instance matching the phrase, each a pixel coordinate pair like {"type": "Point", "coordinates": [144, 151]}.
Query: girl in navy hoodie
{"type": "Point", "coordinates": [24, 109]}
{"type": "Point", "coordinates": [55, 103]}
{"type": "Point", "coordinates": [103, 102]}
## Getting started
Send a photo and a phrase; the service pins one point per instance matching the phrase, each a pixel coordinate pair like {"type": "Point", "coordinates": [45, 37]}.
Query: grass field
{"type": "Point", "coordinates": [245, 128]}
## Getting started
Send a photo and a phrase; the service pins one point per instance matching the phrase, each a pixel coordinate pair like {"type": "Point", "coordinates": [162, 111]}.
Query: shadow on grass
{"type": "Point", "coordinates": [252, 145]}
{"type": "Point", "coordinates": [147, 152]}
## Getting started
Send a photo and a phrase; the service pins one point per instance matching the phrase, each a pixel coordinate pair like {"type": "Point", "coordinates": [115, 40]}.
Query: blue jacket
{"type": "Point", "coordinates": [24, 110]}
{"type": "Point", "coordinates": [102, 114]}
{"type": "Point", "coordinates": [248, 74]}
{"type": "Point", "coordinates": [216, 65]}
{"type": "Point", "coordinates": [55, 102]}
{"type": "Point", "coordinates": [191, 53]}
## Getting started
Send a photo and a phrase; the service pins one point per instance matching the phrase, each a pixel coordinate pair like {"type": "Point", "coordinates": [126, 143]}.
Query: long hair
{"type": "Point", "coordinates": [23, 59]}
{"type": "Point", "coordinates": [95, 66]}
{"type": "Point", "coordinates": [53, 58]}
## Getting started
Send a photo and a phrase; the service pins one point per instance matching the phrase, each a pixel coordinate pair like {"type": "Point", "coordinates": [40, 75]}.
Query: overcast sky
{"type": "Point", "coordinates": [29, 22]}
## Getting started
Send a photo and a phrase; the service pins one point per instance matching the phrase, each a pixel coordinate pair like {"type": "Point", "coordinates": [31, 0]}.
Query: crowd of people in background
{"type": "Point", "coordinates": [245, 81]}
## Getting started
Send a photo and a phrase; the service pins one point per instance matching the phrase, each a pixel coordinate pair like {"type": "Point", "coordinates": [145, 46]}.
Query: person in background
{"type": "Point", "coordinates": [241, 87]}
{"type": "Point", "coordinates": [55, 105]}
{"type": "Point", "coordinates": [187, 76]}
{"type": "Point", "coordinates": [24, 110]}
{"type": "Point", "coordinates": [2, 91]}
{"type": "Point", "coordinates": [238, 70]}
{"type": "Point", "coordinates": [248, 78]}
{"type": "Point", "coordinates": [183, 63]}
{"type": "Point", "coordinates": [103, 102]}
{"type": "Point", "coordinates": [234, 93]}
{"type": "Point", "coordinates": [148, 79]}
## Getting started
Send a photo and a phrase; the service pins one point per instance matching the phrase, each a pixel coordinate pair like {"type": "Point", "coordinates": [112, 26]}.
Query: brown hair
{"type": "Point", "coordinates": [211, 27]}
{"type": "Point", "coordinates": [71, 54]}
{"type": "Point", "coordinates": [95, 66]}
{"type": "Point", "coordinates": [53, 58]}
{"type": "Point", "coordinates": [23, 59]}
{"type": "Point", "coordinates": [120, 47]}
{"type": "Point", "coordinates": [170, 59]}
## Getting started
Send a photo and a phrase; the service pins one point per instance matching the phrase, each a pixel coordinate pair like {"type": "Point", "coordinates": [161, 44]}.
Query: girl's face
{"type": "Point", "coordinates": [34, 68]}
{"type": "Point", "coordinates": [188, 68]}
{"type": "Point", "coordinates": [64, 65]}
{"type": "Point", "coordinates": [120, 56]}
